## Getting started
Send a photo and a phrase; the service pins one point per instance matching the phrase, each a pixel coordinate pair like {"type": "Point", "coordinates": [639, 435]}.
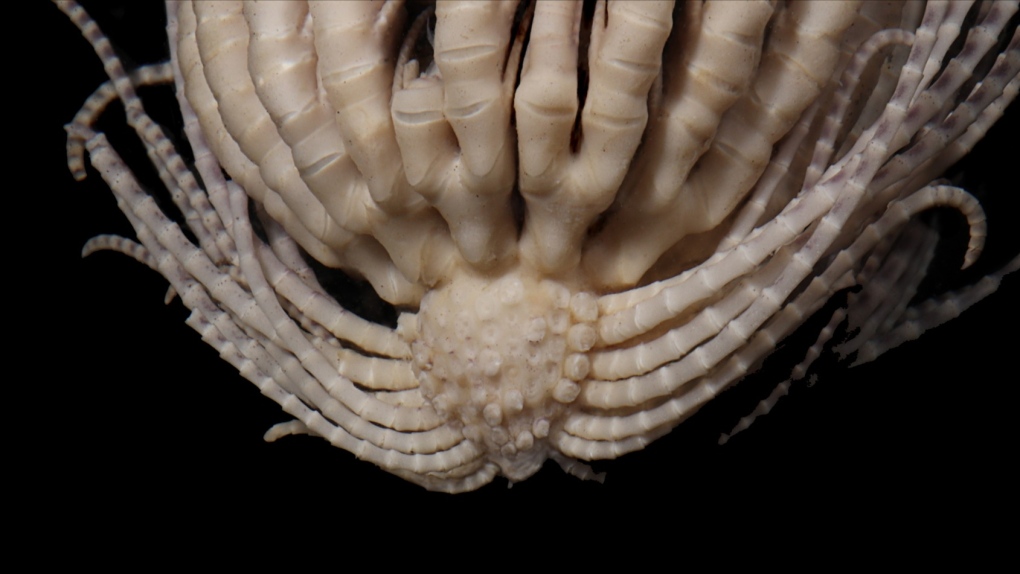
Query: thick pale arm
{"type": "Point", "coordinates": [565, 193]}
{"type": "Point", "coordinates": [453, 127]}
{"type": "Point", "coordinates": [801, 55]}
{"type": "Point", "coordinates": [719, 53]}
{"type": "Point", "coordinates": [283, 66]}
{"type": "Point", "coordinates": [223, 46]}
{"type": "Point", "coordinates": [545, 104]}
{"type": "Point", "coordinates": [353, 41]}
{"type": "Point", "coordinates": [227, 151]}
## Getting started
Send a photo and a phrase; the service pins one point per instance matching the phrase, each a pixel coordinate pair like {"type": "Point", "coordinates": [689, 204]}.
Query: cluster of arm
{"type": "Point", "coordinates": [701, 178]}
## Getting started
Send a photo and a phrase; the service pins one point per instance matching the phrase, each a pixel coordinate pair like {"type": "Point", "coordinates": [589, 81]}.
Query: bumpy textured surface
{"type": "Point", "coordinates": [593, 216]}
{"type": "Point", "coordinates": [505, 357]}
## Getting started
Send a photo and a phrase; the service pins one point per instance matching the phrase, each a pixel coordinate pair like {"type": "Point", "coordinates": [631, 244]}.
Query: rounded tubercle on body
{"type": "Point", "coordinates": [504, 359]}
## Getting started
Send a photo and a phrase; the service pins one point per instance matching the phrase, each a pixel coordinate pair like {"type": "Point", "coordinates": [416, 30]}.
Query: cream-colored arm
{"type": "Point", "coordinates": [222, 36]}
{"type": "Point", "coordinates": [453, 126]}
{"type": "Point", "coordinates": [566, 191]}
{"type": "Point", "coordinates": [226, 150]}
{"type": "Point", "coordinates": [590, 433]}
{"type": "Point", "coordinates": [282, 63]}
{"type": "Point", "coordinates": [355, 42]}
{"type": "Point", "coordinates": [799, 61]}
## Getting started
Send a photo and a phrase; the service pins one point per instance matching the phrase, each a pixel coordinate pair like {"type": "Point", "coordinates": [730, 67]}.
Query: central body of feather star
{"type": "Point", "coordinates": [504, 358]}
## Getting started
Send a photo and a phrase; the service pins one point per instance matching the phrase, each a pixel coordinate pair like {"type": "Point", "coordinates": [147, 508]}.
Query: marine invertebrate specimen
{"type": "Point", "coordinates": [592, 217]}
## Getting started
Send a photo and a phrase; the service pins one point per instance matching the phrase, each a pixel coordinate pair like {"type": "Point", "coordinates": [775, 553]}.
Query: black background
{"type": "Point", "coordinates": [132, 415]}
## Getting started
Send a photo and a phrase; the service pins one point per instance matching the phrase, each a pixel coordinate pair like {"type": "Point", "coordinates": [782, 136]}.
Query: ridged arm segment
{"type": "Point", "coordinates": [226, 150]}
{"type": "Point", "coordinates": [355, 43]}
{"type": "Point", "coordinates": [453, 126]}
{"type": "Point", "coordinates": [566, 191]}
{"type": "Point", "coordinates": [800, 57]}
{"type": "Point", "coordinates": [282, 62]}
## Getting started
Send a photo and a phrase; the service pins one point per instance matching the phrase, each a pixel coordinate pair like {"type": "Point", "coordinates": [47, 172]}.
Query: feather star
{"type": "Point", "coordinates": [192, 383]}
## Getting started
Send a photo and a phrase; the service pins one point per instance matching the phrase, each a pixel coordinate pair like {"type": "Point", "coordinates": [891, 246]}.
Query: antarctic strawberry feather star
{"type": "Point", "coordinates": [582, 221]}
